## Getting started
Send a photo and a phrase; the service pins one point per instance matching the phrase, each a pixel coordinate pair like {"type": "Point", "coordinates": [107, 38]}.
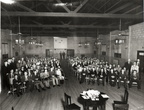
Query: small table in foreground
{"type": "Point", "coordinates": [95, 101]}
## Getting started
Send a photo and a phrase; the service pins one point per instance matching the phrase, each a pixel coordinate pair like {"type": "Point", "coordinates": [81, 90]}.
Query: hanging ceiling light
{"type": "Point", "coordinates": [8, 1]}
{"type": "Point", "coordinates": [80, 44]}
{"type": "Point", "coordinates": [19, 41]}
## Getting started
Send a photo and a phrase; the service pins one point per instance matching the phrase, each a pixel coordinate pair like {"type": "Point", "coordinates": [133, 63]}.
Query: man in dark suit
{"type": "Point", "coordinates": [13, 64]}
{"type": "Point", "coordinates": [4, 71]}
{"type": "Point", "coordinates": [128, 65]}
{"type": "Point", "coordinates": [17, 84]}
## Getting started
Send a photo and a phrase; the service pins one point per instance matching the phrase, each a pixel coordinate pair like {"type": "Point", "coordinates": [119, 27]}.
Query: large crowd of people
{"type": "Point", "coordinates": [42, 73]}
{"type": "Point", "coordinates": [30, 73]}
{"type": "Point", "coordinates": [92, 70]}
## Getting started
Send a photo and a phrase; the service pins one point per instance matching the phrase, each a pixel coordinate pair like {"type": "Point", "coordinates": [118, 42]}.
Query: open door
{"type": "Point", "coordinates": [47, 53]}
{"type": "Point", "coordinates": [140, 55]}
{"type": "Point", "coordinates": [70, 52]}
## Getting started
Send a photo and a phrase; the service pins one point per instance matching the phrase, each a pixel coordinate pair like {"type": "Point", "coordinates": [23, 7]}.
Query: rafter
{"type": "Point", "coordinates": [92, 7]}
{"type": "Point", "coordinates": [94, 4]}
{"type": "Point", "coordinates": [94, 23]}
{"type": "Point", "coordinates": [120, 8]}
{"type": "Point", "coordinates": [113, 6]}
{"type": "Point", "coordinates": [59, 1]}
{"type": "Point", "coordinates": [37, 23]}
{"type": "Point", "coordinates": [77, 15]}
{"type": "Point", "coordinates": [132, 9]}
{"type": "Point", "coordinates": [104, 4]}
{"type": "Point", "coordinates": [80, 6]}
{"type": "Point", "coordinates": [24, 7]}
{"type": "Point", "coordinates": [64, 26]}
{"type": "Point", "coordinates": [37, 5]}
{"type": "Point", "coordinates": [66, 23]}
{"type": "Point", "coordinates": [140, 13]}
{"type": "Point", "coordinates": [47, 7]}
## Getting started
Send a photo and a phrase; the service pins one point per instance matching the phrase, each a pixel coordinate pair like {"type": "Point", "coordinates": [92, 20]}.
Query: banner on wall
{"type": "Point", "coordinates": [60, 43]}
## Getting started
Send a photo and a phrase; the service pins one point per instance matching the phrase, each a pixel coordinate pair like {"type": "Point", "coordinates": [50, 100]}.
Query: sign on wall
{"type": "Point", "coordinates": [60, 43]}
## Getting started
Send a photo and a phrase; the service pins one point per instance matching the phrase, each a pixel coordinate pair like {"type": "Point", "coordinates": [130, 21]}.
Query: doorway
{"type": "Point", "coordinates": [140, 55]}
{"type": "Point", "coordinates": [70, 52]}
{"type": "Point", "coordinates": [47, 53]}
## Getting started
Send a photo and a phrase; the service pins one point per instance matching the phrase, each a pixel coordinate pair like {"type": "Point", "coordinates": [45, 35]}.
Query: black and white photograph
{"type": "Point", "coordinates": [72, 55]}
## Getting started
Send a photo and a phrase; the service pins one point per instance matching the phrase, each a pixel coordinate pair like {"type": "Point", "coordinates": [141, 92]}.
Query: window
{"type": "Point", "coordinates": [103, 49]}
{"type": "Point", "coordinates": [103, 53]}
{"type": "Point", "coordinates": [117, 51]}
{"type": "Point", "coordinates": [5, 50]}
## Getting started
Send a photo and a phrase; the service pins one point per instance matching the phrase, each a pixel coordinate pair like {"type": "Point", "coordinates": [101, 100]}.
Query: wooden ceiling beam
{"type": "Point", "coordinates": [37, 23]}
{"type": "Point", "coordinates": [29, 0]}
{"type": "Point", "coordinates": [113, 6]}
{"type": "Point", "coordinates": [141, 12]}
{"type": "Point", "coordinates": [36, 5]}
{"type": "Point", "coordinates": [74, 15]}
{"type": "Point", "coordinates": [92, 7]}
{"type": "Point", "coordinates": [104, 4]}
{"type": "Point", "coordinates": [45, 31]}
{"type": "Point", "coordinates": [132, 9]}
{"type": "Point", "coordinates": [66, 8]}
{"type": "Point", "coordinates": [80, 6]}
{"type": "Point", "coordinates": [47, 7]}
{"type": "Point", "coordinates": [121, 7]}
{"type": "Point", "coordinates": [24, 7]}
{"type": "Point", "coordinates": [63, 26]}
{"type": "Point", "coordinates": [95, 4]}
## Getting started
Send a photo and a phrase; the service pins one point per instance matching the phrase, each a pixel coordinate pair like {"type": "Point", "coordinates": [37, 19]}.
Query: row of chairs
{"type": "Point", "coordinates": [112, 79]}
{"type": "Point", "coordinates": [13, 89]}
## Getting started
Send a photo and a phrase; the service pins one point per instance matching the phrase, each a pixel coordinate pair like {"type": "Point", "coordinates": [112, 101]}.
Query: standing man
{"type": "Point", "coordinates": [60, 55]}
{"type": "Point", "coordinates": [63, 55]}
{"type": "Point", "coordinates": [4, 71]}
{"type": "Point", "coordinates": [128, 65]}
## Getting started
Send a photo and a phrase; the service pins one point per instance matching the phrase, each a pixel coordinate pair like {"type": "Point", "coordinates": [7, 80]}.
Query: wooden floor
{"type": "Point", "coordinates": [52, 99]}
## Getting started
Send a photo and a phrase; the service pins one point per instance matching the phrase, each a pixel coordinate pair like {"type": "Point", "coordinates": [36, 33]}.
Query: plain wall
{"type": "Point", "coordinates": [136, 40]}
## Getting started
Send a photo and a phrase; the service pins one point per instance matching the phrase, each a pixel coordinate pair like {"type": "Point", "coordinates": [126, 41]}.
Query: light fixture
{"type": "Point", "coordinates": [39, 43]}
{"type": "Point", "coordinates": [19, 41]}
{"type": "Point", "coordinates": [80, 44]}
{"type": "Point", "coordinates": [60, 4]}
{"type": "Point", "coordinates": [8, 1]}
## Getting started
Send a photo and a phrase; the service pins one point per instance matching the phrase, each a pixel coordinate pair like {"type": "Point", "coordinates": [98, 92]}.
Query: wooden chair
{"type": "Point", "coordinates": [83, 77]}
{"type": "Point", "coordinates": [134, 79]}
{"type": "Point", "coordinates": [101, 77]}
{"type": "Point", "coordinates": [12, 108]}
{"type": "Point", "coordinates": [12, 89]}
{"type": "Point", "coordinates": [122, 79]}
{"type": "Point", "coordinates": [122, 105]}
{"type": "Point", "coordinates": [113, 77]}
{"type": "Point", "coordinates": [68, 105]}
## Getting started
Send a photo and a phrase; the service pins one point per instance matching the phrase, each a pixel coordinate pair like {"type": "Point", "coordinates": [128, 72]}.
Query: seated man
{"type": "Point", "coordinates": [59, 74]}
{"type": "Point", "coordinates": [38, 83]}
{"type": "Point", "coordinates": [101, 76]}
{"type": "Point", "coordinates": [83, 75]}
{"type": "Point", "coordinates": [17, 84]}
{"type": "Point", "coordinates": [93, 75]}
{"type": "Point", "coordinates": [134, 77]}
{"type": "Point", "coordinates": [134, 67]}
{"type": "Point", "coordinates": [122, 78]}
{"type": "Point", "coordinates": [44, 75]}
{"type": "Point", "coordinates": [53, 77]}
{"type": "Point", "coordinates": [113, 77]}
{"type": "Point", "coordinates": [25, 80]}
